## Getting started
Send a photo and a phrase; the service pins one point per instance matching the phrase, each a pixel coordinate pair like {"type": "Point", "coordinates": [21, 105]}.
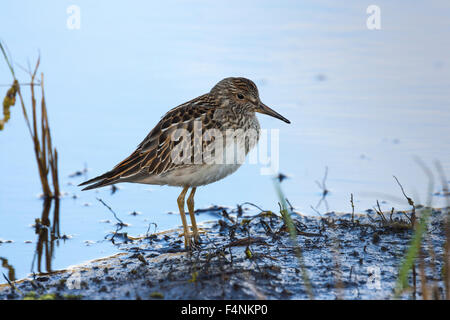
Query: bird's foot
{"type": "Point", "coordinates": [192, 239]}
{"type": "Point", "coordinates": [196, 234]}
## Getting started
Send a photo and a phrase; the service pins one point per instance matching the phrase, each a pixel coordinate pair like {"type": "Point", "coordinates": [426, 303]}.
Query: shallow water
{"type": "Point", "coordinates": [361, 102]}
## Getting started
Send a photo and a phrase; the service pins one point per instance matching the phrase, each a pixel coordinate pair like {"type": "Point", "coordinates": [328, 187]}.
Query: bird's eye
{"type": "Point", "coordinates": [240, 96]}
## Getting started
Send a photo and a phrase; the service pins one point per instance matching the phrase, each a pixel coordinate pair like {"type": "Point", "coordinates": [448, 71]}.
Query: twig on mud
{"type": "Point", "coordinates": [120, 223]}
{"type": "Point", "coordinates": [410, 202]}
{"type": "Point", "coordinates": [253, 205]}
{"type": "Point", "coordinates": [353, 208]}
{"type": "Point", "coordinates": [149, 226]}
{"type": "Point", "coordinates": [380, 213]}
{"type": "Point", "coordinates": [112, 211]}
{"type": "Point", "coordinates": [291, 207]}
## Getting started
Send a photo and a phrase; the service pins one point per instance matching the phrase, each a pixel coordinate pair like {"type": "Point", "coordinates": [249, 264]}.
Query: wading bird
{"type": "Point", "coordinates": [190, 145]}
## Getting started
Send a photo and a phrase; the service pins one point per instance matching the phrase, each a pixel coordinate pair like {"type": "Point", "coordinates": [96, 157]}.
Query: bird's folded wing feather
{"type": "Point", "coordinates": [153, 154]}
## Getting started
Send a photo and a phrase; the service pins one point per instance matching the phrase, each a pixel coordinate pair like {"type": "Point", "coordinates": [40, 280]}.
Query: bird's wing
{"type": "Point", "coordinates": [153, 154]}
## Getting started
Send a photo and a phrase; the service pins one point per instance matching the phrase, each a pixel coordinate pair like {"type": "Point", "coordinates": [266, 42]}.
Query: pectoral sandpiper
{"type": "Point", "coordinates": [197, 143]}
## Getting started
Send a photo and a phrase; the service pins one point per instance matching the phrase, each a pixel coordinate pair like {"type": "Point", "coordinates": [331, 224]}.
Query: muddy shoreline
{"type": "Point", "coordinates": [251, 257]}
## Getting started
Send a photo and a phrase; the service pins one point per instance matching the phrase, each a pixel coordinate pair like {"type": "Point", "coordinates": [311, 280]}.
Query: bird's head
{"type": "Point", "coordinates": [242, 94]}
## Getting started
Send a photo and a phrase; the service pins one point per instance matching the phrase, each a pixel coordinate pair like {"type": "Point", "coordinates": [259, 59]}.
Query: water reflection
{"type": "Point", "coordinates": [48, 235]}
{"type": "Point", "coordinates": [10, 268]}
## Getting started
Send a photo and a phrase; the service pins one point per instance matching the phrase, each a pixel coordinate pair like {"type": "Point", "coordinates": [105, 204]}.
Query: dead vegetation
{"type": "Point", "coordinates": [46, 157]}
{"type": "Point", "coordinates": [39, 129]}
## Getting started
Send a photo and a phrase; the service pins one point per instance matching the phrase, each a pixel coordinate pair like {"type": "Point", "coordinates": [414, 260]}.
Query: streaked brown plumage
{"type": "Point", "coordinates": [230, 105]}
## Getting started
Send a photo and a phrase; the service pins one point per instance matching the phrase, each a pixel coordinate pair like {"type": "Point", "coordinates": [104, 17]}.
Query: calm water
{"type": "Point", "coordinates": [361, 102]}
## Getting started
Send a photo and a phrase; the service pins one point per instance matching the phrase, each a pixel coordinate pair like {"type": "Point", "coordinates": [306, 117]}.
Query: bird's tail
{"type": "Point", "coordinates": [101, 181]}
{"type": "Point", "coordinates": [117, 173]}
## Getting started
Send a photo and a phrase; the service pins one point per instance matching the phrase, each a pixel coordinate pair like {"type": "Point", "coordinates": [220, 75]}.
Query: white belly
{"type": "Point", "coordinates": [201, 174]}
{"type": "Point", "coordinates": [195, 175]}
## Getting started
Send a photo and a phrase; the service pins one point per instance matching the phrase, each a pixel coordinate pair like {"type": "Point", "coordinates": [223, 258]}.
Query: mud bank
{"type": "Point", "coordinates": [251, 257]}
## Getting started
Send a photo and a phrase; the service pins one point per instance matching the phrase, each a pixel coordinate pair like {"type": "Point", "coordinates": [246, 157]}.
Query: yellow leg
{"type": "Point", "coordinates": [190, 204]}
{"type": "Point", "coordinates": [180, 201]}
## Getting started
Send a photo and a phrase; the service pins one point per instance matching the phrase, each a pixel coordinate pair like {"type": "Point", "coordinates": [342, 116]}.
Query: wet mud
{"type": "Point", "coordinates": [251, 256]}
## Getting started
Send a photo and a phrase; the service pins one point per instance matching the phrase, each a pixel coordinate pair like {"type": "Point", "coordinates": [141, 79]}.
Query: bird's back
{"type": "Point", "coordinates": [154, 161]}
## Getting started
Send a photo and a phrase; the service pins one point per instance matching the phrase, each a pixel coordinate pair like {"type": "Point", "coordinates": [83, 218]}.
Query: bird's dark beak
{"type": "Point", "coordinates": [266, 110]}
